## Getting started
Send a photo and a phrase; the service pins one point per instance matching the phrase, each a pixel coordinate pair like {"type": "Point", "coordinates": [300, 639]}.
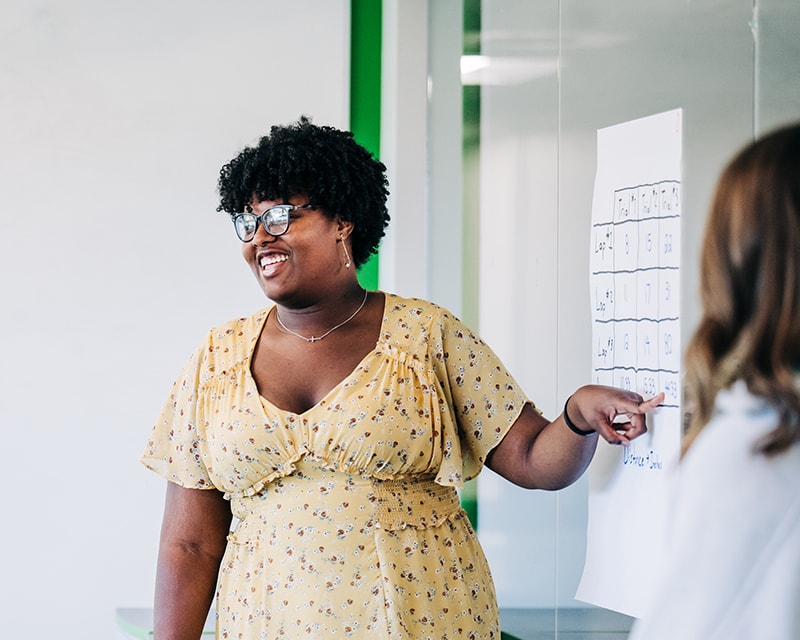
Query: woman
{"type": "Point", "coordinates": [733, 566]}
{"type": "Point", "coordinates": [337, 425]}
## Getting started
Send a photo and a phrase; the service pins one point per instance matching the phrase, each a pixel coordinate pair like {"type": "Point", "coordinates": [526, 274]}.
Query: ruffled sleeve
{"type": "Point", "coordinates": [175, 447]}
{"type": "Point", "coordinates": [483, 399]}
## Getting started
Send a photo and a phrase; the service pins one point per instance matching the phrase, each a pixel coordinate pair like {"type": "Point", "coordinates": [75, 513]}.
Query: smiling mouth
{"type": "Point", "coordinates": [266, 261]}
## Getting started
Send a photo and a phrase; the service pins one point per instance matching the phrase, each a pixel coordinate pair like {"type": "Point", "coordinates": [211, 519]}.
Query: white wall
{"type": "Point", "coordinates": [115, 118]}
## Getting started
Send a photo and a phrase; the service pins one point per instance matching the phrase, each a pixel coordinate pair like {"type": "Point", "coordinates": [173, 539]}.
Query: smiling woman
{"type": "Point", "coordinates": [337, 424]}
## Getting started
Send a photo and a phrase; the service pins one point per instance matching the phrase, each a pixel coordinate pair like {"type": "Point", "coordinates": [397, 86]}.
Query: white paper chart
{"type": "Point", "coordinates": [635, 285]}
{"type": "Point", "coordinates": [635, 289]}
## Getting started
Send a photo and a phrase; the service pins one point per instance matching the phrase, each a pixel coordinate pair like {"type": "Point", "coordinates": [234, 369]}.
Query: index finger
{"type": "Point", "coordinates": [629, 425]}
{"type": "Point", "coordinates": [651, 403]}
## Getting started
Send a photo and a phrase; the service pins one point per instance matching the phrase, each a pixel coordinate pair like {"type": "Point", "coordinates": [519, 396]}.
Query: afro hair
{"type": "Point", "coordinates": [323, 163]}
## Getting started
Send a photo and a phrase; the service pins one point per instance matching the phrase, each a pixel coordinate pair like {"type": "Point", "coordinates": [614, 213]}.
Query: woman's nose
{"type": "Point", "coordinates": [262, 236]}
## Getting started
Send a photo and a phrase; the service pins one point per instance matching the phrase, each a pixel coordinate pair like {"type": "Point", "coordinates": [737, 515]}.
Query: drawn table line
{"type": "Point", "coordinates": [607, 272]}
{"type": "Point", "coordinates": [616, 223]}
{"type": "Point", "coordinates": [655, 320]}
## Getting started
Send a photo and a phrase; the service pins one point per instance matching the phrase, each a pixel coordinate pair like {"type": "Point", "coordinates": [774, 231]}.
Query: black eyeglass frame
{"type": "Point", "coordinates": [274, 227]}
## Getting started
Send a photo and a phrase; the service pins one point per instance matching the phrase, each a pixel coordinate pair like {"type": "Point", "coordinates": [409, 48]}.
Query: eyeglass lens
{"type": "Point", "coordinates": [274, 219]}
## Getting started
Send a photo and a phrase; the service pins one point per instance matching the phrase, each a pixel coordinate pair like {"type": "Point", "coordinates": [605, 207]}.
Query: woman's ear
{"type": "Point", "coordinates": [344, 227]}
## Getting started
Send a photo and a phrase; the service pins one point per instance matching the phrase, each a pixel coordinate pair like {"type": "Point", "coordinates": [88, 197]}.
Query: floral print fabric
{"type": "Point", "coordinates": [348, 516]}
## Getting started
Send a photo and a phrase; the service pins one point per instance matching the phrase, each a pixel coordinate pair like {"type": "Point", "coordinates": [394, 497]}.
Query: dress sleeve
{"type": "Point", "coordinates": [174, 449]}
{"type": "Point", "coordinates": [484, 399]}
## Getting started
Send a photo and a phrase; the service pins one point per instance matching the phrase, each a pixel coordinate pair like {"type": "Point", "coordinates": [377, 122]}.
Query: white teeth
{"type": "Point", "coordinates": [272, 259]}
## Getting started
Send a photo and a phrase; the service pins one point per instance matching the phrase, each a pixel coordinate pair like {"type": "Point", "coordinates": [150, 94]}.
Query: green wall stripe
{"type": "Point", "coordinates": [366, 24]}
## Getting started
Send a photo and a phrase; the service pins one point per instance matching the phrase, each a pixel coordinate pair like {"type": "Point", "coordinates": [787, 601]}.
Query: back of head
{"type": "Point", "coordinates": [323, 163]}
{"type": "Point", "coordinates": [750, 286]}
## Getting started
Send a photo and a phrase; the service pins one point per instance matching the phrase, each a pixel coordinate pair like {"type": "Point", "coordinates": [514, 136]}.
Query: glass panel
{"type": "Point", "coordinates": [777, 63]}
{"type": "Point", "coordinates": [550, 74]}
{"type": "Point", "coordinates": [538, 133]}
{"type": "Point", "coordinates": [622, 61]}
{"type": "Point", "coordinates": [518, 222]}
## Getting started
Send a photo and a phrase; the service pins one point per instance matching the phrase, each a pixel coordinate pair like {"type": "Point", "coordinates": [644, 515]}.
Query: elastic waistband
{"type": "Point", "coordinates": [414, 503]}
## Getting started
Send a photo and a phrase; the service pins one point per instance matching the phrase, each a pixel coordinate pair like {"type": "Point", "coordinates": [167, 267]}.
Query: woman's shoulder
{"type": "Point", "coordinates": [238, 327]}
{"type": "Point", "coordinates": [417, 308]}
{"type": "Point", "coordinates": [231, 342]}
{"type": "Point", "coordinates": [739, 418]}
{"type": "Point", "coordinates": [417, 325]}
{"type": "Point", "coordinates": [725, 451]}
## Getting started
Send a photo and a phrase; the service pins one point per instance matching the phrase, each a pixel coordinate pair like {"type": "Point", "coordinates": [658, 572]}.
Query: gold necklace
{"type": "Point", "coordinates": [329, 331]}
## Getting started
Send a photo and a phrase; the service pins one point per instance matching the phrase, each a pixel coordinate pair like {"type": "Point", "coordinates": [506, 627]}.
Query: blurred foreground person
{"type": "Point", "coordinates": [733, 563]}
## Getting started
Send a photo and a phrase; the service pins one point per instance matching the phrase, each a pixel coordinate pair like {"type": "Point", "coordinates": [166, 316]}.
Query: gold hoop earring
{"type": "Point", "coordinates": [346, 255]}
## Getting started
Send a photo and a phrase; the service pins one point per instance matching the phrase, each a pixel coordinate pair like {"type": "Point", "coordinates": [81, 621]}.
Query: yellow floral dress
{"type": "Point", "coordinates": [348, 518]}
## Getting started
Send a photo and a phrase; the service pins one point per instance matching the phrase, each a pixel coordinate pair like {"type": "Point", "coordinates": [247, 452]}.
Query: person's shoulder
{"type": "Point", "coordinates": [726, 448]}
{"type": "Point", "coordinates": [231, 342]}
{"type": "Point", "coordinates": [239, 327]}
{"type": "Point", "coordinates": [426, 323]}
{"type": "Point", "coordinates": [739, 418]}
{"type": "Point", "coordinates": [396, 304]}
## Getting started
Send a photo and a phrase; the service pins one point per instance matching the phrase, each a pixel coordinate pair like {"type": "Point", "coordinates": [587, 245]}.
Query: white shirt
{"type": "Point", "coordinates": [732, 567]}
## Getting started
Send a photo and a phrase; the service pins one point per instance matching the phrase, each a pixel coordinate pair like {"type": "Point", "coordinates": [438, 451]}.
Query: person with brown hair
{"type": "Point", "coordinates": [733, 563]}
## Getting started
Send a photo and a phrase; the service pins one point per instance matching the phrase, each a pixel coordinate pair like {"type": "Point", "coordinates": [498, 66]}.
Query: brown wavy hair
{"type": "Point", "coordinates": [750, 288]}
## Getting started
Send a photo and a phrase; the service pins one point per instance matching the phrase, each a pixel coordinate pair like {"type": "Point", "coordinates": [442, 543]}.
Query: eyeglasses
{"type": "Point", "coordinates": [275, 221]}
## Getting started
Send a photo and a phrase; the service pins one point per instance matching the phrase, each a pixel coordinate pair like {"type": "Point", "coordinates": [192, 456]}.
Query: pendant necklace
{"type": "Point", "coordinates": [329, 331]}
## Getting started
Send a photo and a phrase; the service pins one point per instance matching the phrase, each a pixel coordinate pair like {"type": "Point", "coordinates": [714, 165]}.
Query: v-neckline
{"type": "Point", "coordinates": [335, 389]}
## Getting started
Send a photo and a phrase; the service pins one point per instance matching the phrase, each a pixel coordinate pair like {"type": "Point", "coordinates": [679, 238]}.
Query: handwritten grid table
{"type": "Point", "coordinates": [636, 296]}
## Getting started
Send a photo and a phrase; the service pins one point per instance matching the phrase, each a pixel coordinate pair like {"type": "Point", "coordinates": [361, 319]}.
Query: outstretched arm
{"type": "Point", "coordinates": [193, 538]}
{"type": "Point", "coordinates": [539, 454]}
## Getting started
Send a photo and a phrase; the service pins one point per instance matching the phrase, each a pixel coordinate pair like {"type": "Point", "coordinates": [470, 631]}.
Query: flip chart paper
{"type": "Point", "coordinates": [635, 291]}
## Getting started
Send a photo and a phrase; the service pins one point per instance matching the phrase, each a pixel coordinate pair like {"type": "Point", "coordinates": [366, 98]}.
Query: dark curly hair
{"type": "Point", "coordinates": [326, 164]}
